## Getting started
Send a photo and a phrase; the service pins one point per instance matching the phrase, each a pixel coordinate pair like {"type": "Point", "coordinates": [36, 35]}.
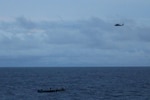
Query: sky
{"type": "Point", "coordinates": [70, 33]}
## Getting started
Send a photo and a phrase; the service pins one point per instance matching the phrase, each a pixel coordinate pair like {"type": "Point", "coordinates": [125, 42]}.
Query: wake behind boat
{"type": "Point", "coordinates": [50, 90]}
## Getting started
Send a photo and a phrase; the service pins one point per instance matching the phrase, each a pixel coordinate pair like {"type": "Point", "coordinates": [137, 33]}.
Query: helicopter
{"type": "Point", "coordinates": [119, 25]}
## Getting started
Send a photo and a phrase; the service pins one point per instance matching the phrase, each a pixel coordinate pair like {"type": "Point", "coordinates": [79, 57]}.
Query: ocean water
{"type": "Point", "coordinates": [97, 83]}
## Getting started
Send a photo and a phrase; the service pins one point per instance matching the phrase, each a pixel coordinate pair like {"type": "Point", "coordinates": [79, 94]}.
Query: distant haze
{"type": "Point", "coordinates": [74, 33]}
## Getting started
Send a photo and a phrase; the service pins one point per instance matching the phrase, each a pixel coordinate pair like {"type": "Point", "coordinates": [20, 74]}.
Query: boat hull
{"type": "Point", "coordinates": [51, 90]}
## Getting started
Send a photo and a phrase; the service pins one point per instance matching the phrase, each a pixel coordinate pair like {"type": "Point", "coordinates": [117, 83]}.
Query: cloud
{"type": "Point", "coordinates": [91, 42]}
{"type": "Point", "coordinates": [25, 23]}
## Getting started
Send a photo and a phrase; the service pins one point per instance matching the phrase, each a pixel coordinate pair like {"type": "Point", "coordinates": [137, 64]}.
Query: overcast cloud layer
{"type": "Point", "coordinates": [90, 42]}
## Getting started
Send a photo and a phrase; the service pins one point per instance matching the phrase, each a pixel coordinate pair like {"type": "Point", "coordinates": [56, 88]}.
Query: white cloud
{"type": "Point", "coordinates": [92, 42]}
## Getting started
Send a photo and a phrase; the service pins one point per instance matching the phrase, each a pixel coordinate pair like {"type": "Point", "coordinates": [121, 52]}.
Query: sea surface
{"type": "Point", "coordinates": [89, 83]}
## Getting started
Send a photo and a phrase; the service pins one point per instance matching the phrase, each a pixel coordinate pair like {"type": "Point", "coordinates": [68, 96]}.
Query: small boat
{"type": "Point", "coordinates": [50, 90]}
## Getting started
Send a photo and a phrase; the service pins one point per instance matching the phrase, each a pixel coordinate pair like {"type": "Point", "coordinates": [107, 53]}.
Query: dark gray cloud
{"type": "Point", "coordinates": [91, 42]}
{"type": "Point", "coordinates": [25, 23]}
